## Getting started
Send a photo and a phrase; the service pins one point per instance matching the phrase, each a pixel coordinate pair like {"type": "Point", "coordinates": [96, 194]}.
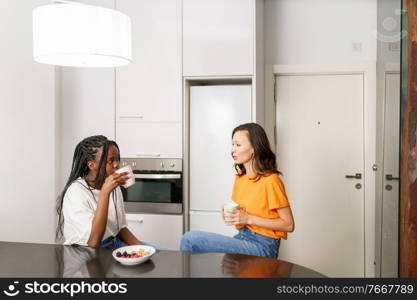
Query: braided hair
{"type": "Point", "coordinates": [85, 151]}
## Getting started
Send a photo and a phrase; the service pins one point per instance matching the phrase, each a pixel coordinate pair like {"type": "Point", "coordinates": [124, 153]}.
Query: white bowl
{"type": "Point", "coordinates": [134, 261]}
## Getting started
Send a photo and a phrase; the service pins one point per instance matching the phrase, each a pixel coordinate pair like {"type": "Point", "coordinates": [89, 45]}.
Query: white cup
{"type": "Point", "coordinates": [131, 180]}
{"type": "Point", "coordinates": [229, 208]}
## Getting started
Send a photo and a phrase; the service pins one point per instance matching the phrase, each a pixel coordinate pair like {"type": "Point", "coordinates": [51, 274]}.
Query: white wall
{"type": "Point", "coordinates": [319, 31]}
{"type": "Point", "coordinates": [27, 131]}
{"type": "Point", "coordinates": [86, 107]}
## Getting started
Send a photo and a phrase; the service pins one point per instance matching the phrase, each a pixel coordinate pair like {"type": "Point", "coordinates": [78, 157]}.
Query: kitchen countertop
{"type": "Point", "coordinates": [48, 260]}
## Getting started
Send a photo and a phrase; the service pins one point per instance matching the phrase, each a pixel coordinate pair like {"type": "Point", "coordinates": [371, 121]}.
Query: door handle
{"type": "Point", "coordinates": [356, 176]}
{"type": "Point", "coordinates": [158, 176]}
{"type": "Point", "coordinates": [389, 177]}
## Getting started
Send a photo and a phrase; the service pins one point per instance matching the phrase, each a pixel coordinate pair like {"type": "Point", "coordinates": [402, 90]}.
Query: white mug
{"type": "Point", "coordinates": [131, 180]}
{"type": "Point", "coordinates": [229, 208]}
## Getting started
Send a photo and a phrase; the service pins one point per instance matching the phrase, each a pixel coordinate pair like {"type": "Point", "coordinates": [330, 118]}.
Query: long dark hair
{"type": "Point", "coordinates": [85, 151]}
{"type": "Point", "coordinates": [264, 160]}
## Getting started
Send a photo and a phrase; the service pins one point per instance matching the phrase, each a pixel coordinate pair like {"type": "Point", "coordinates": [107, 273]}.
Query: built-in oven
{"type": "Point", "coordinates": [158, 186]}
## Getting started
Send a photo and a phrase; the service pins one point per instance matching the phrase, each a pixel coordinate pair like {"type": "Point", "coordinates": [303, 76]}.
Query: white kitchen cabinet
{"type": "Point", "coordinates": [218, 37]}
{"type": "Point", "coordinates": [149, 140]}
{"type": "Point", "coordinates": [159, 230]}
{"type": "Point", "coordinates": [211, 222]}
{"type": "Point", "coordinates": [150, 88]}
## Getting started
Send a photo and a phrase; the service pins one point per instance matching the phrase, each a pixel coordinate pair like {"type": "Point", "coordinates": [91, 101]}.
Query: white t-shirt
{"type": "Point", "coordinates": [79, 207]}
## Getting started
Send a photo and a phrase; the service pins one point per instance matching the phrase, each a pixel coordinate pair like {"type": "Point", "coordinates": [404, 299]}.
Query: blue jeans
{"type": "Point", "coordinates": [245, 242]}
{"type": "Point", "coordinates": [114, 242]}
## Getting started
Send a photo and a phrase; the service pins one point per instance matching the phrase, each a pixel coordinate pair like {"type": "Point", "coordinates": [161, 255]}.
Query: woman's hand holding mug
{"type": "Point", "coordinates": [228, 212]}
{"type": "Point", "coordinates": [114, 180]}
{"type": "Point", "coordinates": [239, 217]}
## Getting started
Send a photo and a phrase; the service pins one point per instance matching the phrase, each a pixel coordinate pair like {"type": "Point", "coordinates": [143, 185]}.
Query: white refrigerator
{"type": "Point", "coordinates": [214, 112]}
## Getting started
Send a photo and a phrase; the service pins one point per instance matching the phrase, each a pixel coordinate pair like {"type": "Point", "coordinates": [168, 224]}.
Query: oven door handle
{"type": "Point", "coordinates": [157, 176]}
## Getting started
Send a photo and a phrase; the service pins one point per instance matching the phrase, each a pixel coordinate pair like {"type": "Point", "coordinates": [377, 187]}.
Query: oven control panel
{"type": "Point", "coordinates": [153, 164]}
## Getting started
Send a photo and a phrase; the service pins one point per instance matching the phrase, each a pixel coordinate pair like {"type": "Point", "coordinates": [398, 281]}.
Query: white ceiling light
{"type": "Point", "coordinates": [73, 34]}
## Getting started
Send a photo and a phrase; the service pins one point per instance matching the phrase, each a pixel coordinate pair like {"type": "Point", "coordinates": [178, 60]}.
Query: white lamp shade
{"type": "Point", "coordinates": [80, 35]}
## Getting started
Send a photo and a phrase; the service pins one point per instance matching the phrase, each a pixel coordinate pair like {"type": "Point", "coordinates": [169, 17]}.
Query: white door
{"type": "Point", "coordinates": [214, 112]}
{"type": "Point", "coordinates": [390, 201]}
{"type": "Point", "coordinates": [320, 140]}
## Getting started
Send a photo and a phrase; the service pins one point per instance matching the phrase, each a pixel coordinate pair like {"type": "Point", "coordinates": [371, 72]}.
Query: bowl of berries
{"type": "Point", "coordinates": [133, 255]}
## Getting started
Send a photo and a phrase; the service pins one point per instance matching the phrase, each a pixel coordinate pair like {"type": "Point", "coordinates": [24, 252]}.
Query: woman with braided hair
{"type": "Point", "coordinates": [90, 208]}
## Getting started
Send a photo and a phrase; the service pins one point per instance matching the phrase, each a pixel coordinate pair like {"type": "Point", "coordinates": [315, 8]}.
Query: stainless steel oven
{"type": "Point", "coordinates": [158, 187]}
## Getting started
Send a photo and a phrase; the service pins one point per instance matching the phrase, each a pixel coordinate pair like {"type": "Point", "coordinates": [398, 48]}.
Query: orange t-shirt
{"type": "Point", "coordinates": [261, 198]}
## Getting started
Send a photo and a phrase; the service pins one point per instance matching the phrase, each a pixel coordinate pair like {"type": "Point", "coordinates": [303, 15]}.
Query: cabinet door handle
{"type": "Point", "coordinates": [130, 117]}
{"type": "Point", "coordinates": [140, 221]}
{"type": "Point", "coordinates": [148, 155]}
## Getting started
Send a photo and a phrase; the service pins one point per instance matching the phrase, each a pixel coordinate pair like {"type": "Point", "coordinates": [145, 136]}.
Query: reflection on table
{"type": "Point", "coordinates": [237, 265]}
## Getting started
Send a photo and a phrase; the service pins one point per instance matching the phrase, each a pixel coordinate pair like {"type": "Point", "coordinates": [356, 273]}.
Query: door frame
{"type": "Point", "coordinates": [383, 69]}
{"type": "Point", "coordinates": [368, 70]}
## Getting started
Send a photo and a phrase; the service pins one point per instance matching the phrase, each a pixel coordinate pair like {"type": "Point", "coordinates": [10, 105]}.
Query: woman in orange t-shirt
{"type": "Point", "coordinates": [264, 216]}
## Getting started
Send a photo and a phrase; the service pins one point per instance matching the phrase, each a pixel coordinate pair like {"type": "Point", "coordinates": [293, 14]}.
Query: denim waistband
{"type": "Point", "coordinates": [109, 239]}
{"type": "Point", "coordinates": [247, 231]}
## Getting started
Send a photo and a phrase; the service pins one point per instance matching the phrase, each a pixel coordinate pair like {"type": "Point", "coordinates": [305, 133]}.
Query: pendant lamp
{"type": "Point", "coordinates": [67, 33]}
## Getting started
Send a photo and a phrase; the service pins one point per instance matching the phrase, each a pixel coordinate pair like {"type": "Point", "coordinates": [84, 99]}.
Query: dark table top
{"type": "Point", "coordinates": [47, 260]}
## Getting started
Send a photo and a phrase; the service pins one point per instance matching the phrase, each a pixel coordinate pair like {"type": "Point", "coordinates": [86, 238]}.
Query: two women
{"type": "Point", "coordinates": [91, 210]}
{"type": "Point", "coordinates": [266, 217]}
